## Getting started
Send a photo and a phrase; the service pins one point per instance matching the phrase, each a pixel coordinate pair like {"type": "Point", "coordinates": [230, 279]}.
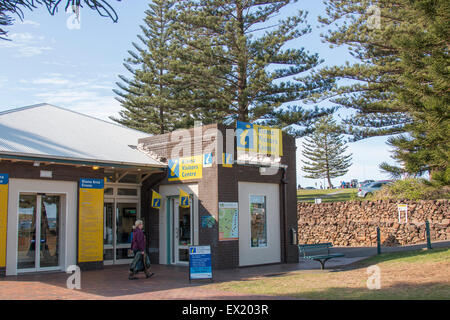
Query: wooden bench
{"type": "Point", "coordinates": [317, 252]}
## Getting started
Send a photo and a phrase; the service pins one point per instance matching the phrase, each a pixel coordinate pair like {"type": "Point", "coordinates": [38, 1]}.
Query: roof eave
{"type": "Point", "coordinates": [67, 160]}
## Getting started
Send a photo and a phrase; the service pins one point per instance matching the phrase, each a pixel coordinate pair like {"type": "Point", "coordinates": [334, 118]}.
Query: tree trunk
{"type": "Point", "coordinates": [241, 68]}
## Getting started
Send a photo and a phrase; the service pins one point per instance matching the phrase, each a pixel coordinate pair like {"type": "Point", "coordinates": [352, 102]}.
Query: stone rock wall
{"type": "Point", "coordinates": [354, 223]}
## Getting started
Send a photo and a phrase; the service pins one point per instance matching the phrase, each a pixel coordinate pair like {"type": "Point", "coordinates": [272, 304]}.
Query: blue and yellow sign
{"type": "Point", "coordinates": [184, 199]}
{"type": "Point", "coordinates": [207, 160]}
{"type": "Point", "coordinates": [259, 139]}
{"type": "Point", "coordinates": [4, 180]}
{"type": "Point", "coordinates": [227, 160]}
{"type": "Point", "coordinates": [200, 262]}
{"type": "Point", "coordinates": [156, 200]}
{"type": "Point", "coordinates": [188, 168]}
{"type": "Point", "coordinates": [90, 220]}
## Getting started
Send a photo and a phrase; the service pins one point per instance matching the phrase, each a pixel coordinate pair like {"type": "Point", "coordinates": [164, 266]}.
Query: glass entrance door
{"type": "Point", "coordinates": [38, 232]}
{"type": "Point", "coordinates": [182, 233]}
{"type": "Point", "coordinates": [119, 219]}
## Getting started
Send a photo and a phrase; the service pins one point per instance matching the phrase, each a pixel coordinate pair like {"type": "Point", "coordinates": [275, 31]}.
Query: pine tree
{"type": "Point", "coordinates": [149, 99]}
{"type": "Point", "coordinates": [402, 78]}
{"type": "Point", "coordinates": [325, 149]}
{"type": "Point", "coordinates": [233, 60]}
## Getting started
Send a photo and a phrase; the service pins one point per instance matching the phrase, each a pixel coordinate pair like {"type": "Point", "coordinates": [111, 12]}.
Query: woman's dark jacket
{"type": "Point", "coordinates": [138, 242]}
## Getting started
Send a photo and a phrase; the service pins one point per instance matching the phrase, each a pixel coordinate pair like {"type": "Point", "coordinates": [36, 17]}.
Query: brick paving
{"type": "Point", "coordinates": [169, 282]}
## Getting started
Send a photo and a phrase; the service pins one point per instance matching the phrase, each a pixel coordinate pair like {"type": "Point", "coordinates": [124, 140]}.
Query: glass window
{"type": "Point", "coordinates": [258, 221]}
{"type": "Point", "coordinates": [109, 191]}
{"type": "Point", "coordinates": [126, 192]}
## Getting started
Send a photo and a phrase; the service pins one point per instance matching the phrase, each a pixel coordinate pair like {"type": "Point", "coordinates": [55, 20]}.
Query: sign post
{"type": "Point", "coordinates": [200, 263]}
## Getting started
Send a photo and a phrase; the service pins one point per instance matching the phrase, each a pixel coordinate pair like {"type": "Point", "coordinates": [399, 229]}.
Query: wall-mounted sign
{"type": "Point", "coordinates": [200, 262]}
{"type": "Point", "coordinates": [207, 160]}
{"type": "Point", "coordinates": [185, 168]}
{"type": "Point", "coordinates": [208, 221]}
{"type": "Point", "coordinates": [227, 160]}
{"type": "Point", "coordinates": [156, 200]}
{"type": "Point", "coordinates": [90, 220]}
{"type": "Point", "coordinates": [46, 174]}
{"type": "Point", "coordinates": [259, 139]}
{"type": "Point", "coordinates": [4, 180]}
{"type": "Point", "coordinates": [228, 221]}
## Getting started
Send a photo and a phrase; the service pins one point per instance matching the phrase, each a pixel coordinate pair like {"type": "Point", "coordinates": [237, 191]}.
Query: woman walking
{"type": "Point", "coordinates": [141, 260]}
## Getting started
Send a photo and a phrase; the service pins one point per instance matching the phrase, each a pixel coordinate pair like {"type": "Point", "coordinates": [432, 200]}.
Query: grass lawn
{"type": "Point", "coordinates": [327, 195]}
{"type": "Point", "coordinates": [404, 275]}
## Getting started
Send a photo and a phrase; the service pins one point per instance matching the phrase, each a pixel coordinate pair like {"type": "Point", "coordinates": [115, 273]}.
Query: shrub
{"type": "Point", "coordinates": [412, 189]}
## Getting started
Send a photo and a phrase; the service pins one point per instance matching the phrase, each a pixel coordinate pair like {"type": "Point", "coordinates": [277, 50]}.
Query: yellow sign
{"type": "Point", "coordinates": [156, 200]}
{"type": "Point", "coordinates": [184, 199]}
{"type": "Point", "coordinates": [259, 139]}
{"type": "Point", "coordinates": [188, 168]}
{"type": "Point", "coordinates": [3, 217]}
{"type": "Point", "coordinates": [90, 220]}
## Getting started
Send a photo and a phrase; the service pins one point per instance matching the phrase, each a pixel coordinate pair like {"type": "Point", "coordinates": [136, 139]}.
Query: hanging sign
{"type": "Point", "coordinates": [200, 263]}
{"type": "Point", "coordinates": [187, 168]}
{"type": "Point", "coordinates": [4, 180]}
{"type": "Point", "coordinates": [156, 200]}
{"type": "Point", "coordinates": [184, 199]}
{"type": "Point", "coordinates": [90, 220]}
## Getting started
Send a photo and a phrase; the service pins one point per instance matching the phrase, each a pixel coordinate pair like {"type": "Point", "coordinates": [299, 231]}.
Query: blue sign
{"type": "Point", "coordinates": [92, 183]}
{"type": "Point", "coordinates": [207, 160]}
{"type": "Point", "coordinates": [4, 178]}
{"type": "Point", "coordinates": [156, 203]}
{"type": "Point", "coordinates": [244, 136]}
{"type": "Point", "coordinates": [200, 262]}
{"type": "Point", "coordinates": [174, 168]}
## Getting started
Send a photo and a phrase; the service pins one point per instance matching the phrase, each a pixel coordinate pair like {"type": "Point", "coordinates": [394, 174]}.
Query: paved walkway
{"type": "Point", "coordinates": [169, 282]}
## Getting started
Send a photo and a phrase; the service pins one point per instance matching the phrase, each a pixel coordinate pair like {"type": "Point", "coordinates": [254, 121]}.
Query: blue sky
{"type": "Point", "coordinates": [47, 61]}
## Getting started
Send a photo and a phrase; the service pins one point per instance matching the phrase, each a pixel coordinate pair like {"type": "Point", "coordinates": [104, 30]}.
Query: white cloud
{"type": "Point", "coordinates": [30, 22]}
{"type": "Point", "coordinates": [26, 45]}
{"type": "Point", "coordinates": [52, 81]}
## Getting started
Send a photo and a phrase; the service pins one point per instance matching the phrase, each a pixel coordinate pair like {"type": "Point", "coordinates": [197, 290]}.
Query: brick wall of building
{"type": "Point", "coordinates": [220, 184]}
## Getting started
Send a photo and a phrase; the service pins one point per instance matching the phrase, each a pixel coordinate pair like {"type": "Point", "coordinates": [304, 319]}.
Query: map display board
{"type": "Point", "coordinates": [228, 221]}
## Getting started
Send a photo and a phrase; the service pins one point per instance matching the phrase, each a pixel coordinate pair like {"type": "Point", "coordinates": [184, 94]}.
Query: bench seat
{"type": "Point", "coordinates": [310, 251]}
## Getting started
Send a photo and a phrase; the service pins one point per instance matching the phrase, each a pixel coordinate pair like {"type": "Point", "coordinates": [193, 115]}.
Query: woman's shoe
{"type": "Point", "coordinates": [148, 275]}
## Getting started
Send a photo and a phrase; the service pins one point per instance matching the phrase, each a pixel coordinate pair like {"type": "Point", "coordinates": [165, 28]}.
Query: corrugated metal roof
{"type": "Point", "coordinates": [48, 131]}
